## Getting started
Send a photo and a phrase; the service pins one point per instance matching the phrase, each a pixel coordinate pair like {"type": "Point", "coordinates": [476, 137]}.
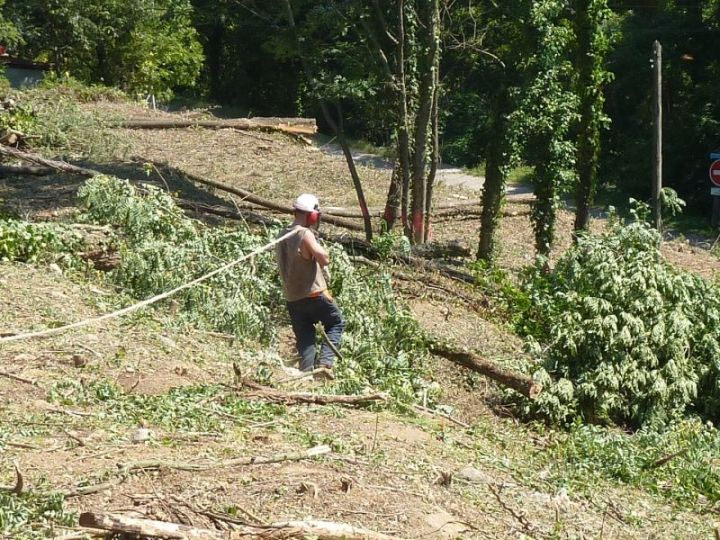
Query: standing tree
{"type": "Point", "coordinates": [331, 88]}
{"type": "Point", "coordinates": [546, 113]}
{"type": "Point", "coordinates": [590, 19]}
{"type": "Point", "coordinates": [491, 38]}
{"type": "Point", "coordinates": [398, 80]}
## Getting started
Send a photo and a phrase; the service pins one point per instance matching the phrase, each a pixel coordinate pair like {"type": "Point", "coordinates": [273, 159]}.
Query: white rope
{"type": "Point", "coordinates": [147, 302]}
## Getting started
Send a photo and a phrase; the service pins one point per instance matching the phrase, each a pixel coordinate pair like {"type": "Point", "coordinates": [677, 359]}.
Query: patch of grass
{"type": "Point", "coordinates": [189, 408]}
{"type": "Point", "coordinates": [520, 176]}
{"type": "Point", "coordinates": [478, 170]}
{"type": "Point", "coordinates": [60, 127]}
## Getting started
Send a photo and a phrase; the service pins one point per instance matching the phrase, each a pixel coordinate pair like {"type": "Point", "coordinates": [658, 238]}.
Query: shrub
{"type": "Point", "coordinates": [621, 336]}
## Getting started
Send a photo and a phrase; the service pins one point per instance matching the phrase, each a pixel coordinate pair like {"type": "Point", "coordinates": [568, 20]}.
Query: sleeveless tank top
{"type": "Point", "coordinates": [300, 277]}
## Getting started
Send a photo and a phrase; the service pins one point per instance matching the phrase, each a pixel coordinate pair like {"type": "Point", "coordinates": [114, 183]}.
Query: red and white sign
{"type": "Point", "coordinates": [715, 172]}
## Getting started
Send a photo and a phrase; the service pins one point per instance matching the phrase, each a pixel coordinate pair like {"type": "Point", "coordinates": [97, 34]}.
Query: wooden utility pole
{"type": "Point", "coordinates": [657, 134]}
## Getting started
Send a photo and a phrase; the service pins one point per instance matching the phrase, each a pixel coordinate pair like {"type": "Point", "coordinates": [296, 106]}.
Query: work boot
{"type": "Point", "coordinates": [324, 373]}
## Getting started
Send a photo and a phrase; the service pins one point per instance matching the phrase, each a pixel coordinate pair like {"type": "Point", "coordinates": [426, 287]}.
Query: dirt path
{"type": "Point", "coordinates": [449, 175]}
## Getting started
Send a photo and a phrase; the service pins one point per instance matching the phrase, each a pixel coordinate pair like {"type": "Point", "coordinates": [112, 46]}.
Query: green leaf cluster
{"type": "Point", "coordinates": [621, 336]}
{"type": "Point", "coordinates": [30, 242]}
{"type": "Point", "coordinates": [679, 463]}
{"type": "Point", "coordinates": [142, 46]}
{"type": "Point", "coordinates": [34, 514]}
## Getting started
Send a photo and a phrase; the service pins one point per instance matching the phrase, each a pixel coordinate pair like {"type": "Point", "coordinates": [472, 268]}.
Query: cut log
{"type": "Point", "coordinates": [520, 383]}
{"type": "Point", "coordinates": [322, 530]}
{"type": "Point", "coordinates": [291, 126]}
{"type": "Point", "coordinates": [465, 208]}
{"type": "Point", "coordinates": [249, 196]}
{"type": "Point", "coordinates": [118, 523]}
{"type": "Point", "coordinates": [52, 164]}
{"type": "Point", "coordinates": [292, 398]}
{"type": "Point", "coordinates": [20, 170]}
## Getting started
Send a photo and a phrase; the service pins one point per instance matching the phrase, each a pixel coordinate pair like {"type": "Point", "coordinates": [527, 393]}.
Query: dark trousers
{"type": "Point", "coordinates": [303, 315]}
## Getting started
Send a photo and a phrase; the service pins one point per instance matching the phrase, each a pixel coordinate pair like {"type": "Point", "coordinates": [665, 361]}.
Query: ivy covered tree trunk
{"type": "Point", "coordinates": [547, 112]}
{"type": "Point", "coordinates": [495, 176]}
{"type": "Point", "coordinates": [592, 44]}
{"type": "Point", "coordinates": [544, 210]}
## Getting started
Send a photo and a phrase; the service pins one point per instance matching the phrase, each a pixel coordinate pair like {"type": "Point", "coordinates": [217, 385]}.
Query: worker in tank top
{"type": "Point", "coordinates": [301, 260]}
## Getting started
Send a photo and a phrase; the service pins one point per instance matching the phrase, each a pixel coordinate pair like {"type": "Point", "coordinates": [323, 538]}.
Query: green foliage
{"type": "Point", "coordinates": [679, 463]}
{"type": "Point", "coordinates": [34, 514]}
{"type": "Point", "coordinates": [623, 337]}
{"type": "Point", "coordinates": [9, 33]}
{"type": "Point", "coordinates": [16, 117]}
{"type": "Point", "coordinates": [391, 243]}
{"type": "Point", "coordinates": [142, 46]}
{"type": "Point", "coordinates": [188, 408]}
{"type": "Point", "coordinates": [505, 299]}
{"type": "Point", "coordinates": [30, 242]}
{"type": "Point", "coordinates": [162, 249]}
{"type": "Point", "coordinates": [383, 345]}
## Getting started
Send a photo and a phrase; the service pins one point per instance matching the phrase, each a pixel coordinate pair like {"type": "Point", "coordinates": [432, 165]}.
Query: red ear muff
{"type": "Point", "coordinates": [313, 218]}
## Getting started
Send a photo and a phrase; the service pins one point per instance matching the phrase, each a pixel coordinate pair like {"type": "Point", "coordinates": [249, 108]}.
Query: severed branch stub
{"type": "Point", "coordinates": [322, 530]}
{"type": "Point", "coordinates": [518, 382]}
{"type": "Point", "coordinates": [19, 486]}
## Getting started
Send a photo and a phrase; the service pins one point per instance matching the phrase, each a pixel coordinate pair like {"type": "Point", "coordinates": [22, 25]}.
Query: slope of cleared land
{"type": "Point", "coordinates": [81, 406]}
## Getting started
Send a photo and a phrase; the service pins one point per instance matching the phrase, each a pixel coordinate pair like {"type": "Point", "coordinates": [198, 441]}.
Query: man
{"type": "Point", "coordinates": [301, 260]}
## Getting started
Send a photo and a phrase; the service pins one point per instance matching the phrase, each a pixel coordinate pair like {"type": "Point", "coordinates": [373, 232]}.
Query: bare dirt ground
{"type": "Point", "coordinates": [413, 476]}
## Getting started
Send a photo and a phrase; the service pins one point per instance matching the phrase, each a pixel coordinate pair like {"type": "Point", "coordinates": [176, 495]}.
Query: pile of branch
{"type": "Point", "coordinates": [289, 126]}
{"type": "Point", "coordinates": [518, 382]}
{"type": "Point", "coordinates": [322, 530]}
{"type": "Point", "coordinates": [272, 395]}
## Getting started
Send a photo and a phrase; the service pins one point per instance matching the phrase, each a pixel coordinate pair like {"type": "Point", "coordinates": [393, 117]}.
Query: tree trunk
{"type": "Point", "coordinates": [495, 172]}
{"type": "Point", "coordinates": [403, 134]}
{"type": "Point", "coordinates": [520, 383]}
{"type": "Point", "coordinates": [392, 204]}
{"type": "Point", "coordinates": [590, 108]}
{"type": "Point", "coordinates": [423, 121]}
{"type": "Point", "coordinates": [435, 148]}
{"type": "Point", "coordinates": [544, 210]}
{"type": "Point", "coordinates": [292, 126]}
{"type": "Point", "coordinates": [337, 127]}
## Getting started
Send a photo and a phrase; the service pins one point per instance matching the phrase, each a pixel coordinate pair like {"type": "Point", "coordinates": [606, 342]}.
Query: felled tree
{"type": "Point", "coordinates": [623, 337]}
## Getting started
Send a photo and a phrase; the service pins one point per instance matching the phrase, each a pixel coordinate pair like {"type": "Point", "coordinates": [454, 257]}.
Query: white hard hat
{"type": "Point", "coordinates": [307, 203]}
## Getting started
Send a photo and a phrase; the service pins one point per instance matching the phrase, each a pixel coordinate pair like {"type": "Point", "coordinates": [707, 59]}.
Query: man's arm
{"type": "Point", "coordinates": [311, 249]}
